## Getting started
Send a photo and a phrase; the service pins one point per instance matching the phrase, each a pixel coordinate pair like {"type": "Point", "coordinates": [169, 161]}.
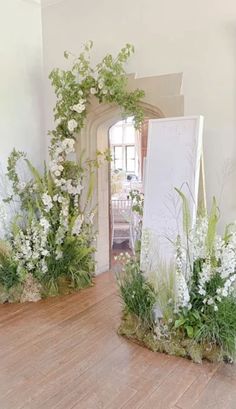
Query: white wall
{"type": "Point", "coordinates": [189, 36]}
{"type": "Point", "coordinates": [21, 91]}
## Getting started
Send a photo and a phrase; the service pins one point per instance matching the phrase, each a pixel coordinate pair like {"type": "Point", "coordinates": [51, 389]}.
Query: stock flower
{"type": "Point", "coordinates": [77, 225]}
{"type": "Point", "coordinates": [44, 223]}
{"type": "Point", "coordinates": [47, 201]}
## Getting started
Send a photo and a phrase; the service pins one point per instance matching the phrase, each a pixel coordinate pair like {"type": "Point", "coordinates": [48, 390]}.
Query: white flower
{"type": "Point", "coordinates": [80, 107]}
{"type": "Point", "coordinates": [93, 91]}
{"type": "Point", "coordinates": [202, 291]}
{"type": "Point", "coordinates": [44, 223]}
{"type": "Point", "coordinates": [68, 142]}
{"type": "Point", "coordinates": [58, 182]}
{"type": "Point", "coordinates": [182, 292]}
{"type": "Point", "coordinates": [72, 125]}
{"type": "Point", "coordinates": [21, 186]}
{"type": "Point", "coordinates": [30, 266]}
{"type": "Point", "coordinates": [59, 254]}
{"type": "Point", "coordinates": [63, 226]}
{"type": "Point", "coordinates": [100, 84]}
{"type": "Point", "coordinates": [77, 225]}
{"type": "Point", "coordinates": [47, 201]}
{"type": "Point", "coordinates": [224, 292]}
{"type": "Point", "coordinates": [44, 267]}
{"type": "Point", "coordinates": [35, 255]}
{"type": "Point", "coordinates": [71, 189]}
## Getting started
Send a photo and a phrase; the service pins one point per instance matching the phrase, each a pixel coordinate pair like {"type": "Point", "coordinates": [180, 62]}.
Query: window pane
{"type": "Point", "coordinates": [129, 134]}
{"type": "Point", "coordinates": [130, 152]}
{"type": "Point", "coordinates": [130, 119]}
{"type": "Point", "coordinates": [118, 164]}
{"type": "Point", "coordinates": [118, 152]}
{"type": "Point", "coordinates": [116, 135]}
{"type": "Point", "coordinates": [130, 165]}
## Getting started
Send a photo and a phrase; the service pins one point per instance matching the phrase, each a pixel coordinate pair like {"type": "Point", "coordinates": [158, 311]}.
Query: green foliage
{"type": "Point", "coordinates": [186, 212]}
{"type": "Point", "coordinates": [137, 294]}
{"type": "Point", "coordinates": [8, 268]}
{"type": "Point", "coordinates": [210, 327]}
{"type": "Point", "coordinates": [137, 199]}
{"type": "Point", "coordinates": [188, 322]}
{"type": "Point", "coordinates": [211, 233]}
{"type": "Point", "coordinates": [76, 266]}
{"type": "Point", "coordinates": [219, 327]}
{"type": "Point", "coordinates": [198, 307]}
{"type": "Point", "coordinates": [107, 81]}
{"type": "Point", "coordinates": [163, 282]}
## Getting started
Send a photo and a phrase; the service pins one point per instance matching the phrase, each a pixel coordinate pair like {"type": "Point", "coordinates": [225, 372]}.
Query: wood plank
{"type": "Point", "coordinates": [64, 353]}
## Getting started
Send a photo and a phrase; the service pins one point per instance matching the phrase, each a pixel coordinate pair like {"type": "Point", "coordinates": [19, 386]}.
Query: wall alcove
{"type": "Point", "coordinates": [162, 99]}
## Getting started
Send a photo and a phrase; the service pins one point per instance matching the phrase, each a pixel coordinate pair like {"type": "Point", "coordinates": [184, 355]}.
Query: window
{"type": "Point", "coordinates": [118, 157]}
{"type": "Point", "coordinates": [123, 150]}
{"type": "Point", "coordinates": [130, 159]}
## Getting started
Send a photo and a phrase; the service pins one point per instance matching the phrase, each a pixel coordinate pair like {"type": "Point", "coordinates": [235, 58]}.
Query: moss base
{"type": "Point", "coordinates": [32, 291]}
{"type": "Point", "coordinates": [133, 329]}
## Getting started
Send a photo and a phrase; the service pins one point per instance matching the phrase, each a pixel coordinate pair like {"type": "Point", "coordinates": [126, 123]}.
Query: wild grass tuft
{"type": "Point", "coordinates": [137, 294]}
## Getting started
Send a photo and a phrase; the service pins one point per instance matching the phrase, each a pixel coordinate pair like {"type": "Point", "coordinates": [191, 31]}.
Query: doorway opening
{"type": "Point", "coordinates": [128, 148]}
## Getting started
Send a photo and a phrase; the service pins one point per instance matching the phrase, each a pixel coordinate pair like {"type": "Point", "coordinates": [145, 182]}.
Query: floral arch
{"type": "Point", "coordinates": [49, 247]}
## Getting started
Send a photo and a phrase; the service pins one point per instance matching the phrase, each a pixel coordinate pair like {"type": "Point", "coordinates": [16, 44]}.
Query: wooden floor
{"type": "Point", "coordinates": [64, 353]}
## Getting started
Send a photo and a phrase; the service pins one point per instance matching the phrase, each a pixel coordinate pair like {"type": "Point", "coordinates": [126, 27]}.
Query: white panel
{"type": "Point", "coordinates": [173, 160]}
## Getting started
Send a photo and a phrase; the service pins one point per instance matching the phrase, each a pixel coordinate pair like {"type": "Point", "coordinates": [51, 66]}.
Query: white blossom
{"type": "Point", "coordinates": [47, 201]}
{"type": "Point", "coordinates": [59, 254]}
{"type": "Point", "coordinates": [72, 125]}
{"type": "Point", "coordinates": [80, 107]}
{"type": "Point", "coordinates": [100, 83]}
{"type": "Point", "coordinates": [21, 186]}
{"type": "Point", "coordinates": [63, 222]}
{"type": "Point", "coordinates": [44, 223]}
{"type": "Point", "coordinates": [30, 246]}
{"type": "Point", "coordinates": [182, 292]}
{"type": "Point", "coordinates": [77, 225]}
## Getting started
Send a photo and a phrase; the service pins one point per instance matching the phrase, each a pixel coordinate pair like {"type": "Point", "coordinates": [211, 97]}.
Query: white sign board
{"type": "Point", "coordinates": [173, 161]}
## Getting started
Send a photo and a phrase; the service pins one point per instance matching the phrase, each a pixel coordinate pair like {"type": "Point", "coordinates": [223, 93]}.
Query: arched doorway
{"type": "Point", "coordinates": [104, 236]}
{"type": "Point", "coordinates": [128, 148]}
{"type": "Point", "coordinates": [94, 137]}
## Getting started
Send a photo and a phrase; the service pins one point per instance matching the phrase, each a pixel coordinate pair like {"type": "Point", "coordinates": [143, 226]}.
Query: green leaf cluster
{"type": "Point", "coordinates": [137, 293]}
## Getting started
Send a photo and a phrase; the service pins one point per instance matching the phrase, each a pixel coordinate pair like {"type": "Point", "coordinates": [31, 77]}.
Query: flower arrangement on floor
{"type": "Point", "coordinates": [49, 248]}
{"type": "Point", "coordinates": [188, 309]}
